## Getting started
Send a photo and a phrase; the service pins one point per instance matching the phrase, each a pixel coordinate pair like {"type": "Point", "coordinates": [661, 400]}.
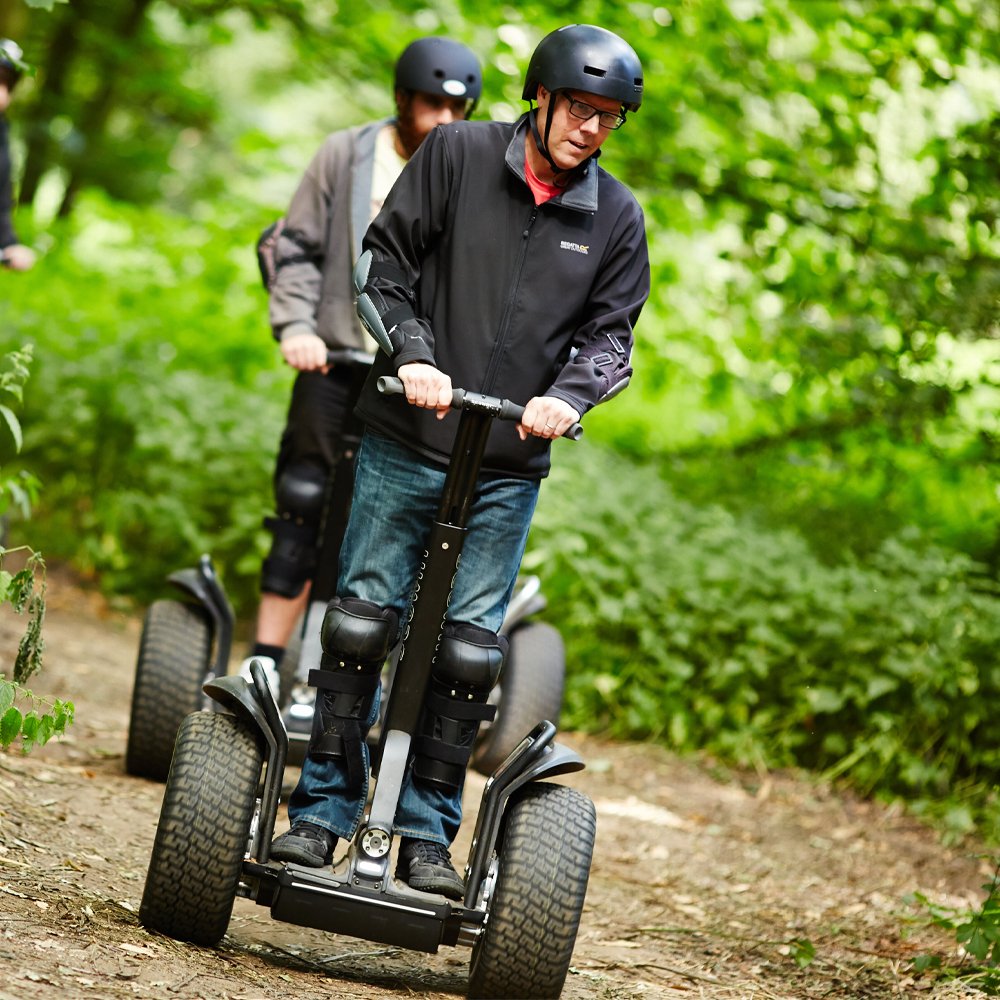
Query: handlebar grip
{"type": "Point", "coordinates": [348, 356]}
{"type": "Point", "coordinates": [389, 385]}
{"type": "Point", "coordinates": [513, 411]}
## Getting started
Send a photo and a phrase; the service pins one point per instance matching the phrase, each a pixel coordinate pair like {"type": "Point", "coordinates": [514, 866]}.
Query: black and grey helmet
{"type": "Point", "coordinates": [436, 65]}
{"type": "Point", "coordinates": [12, 64]}
{"type": "Point", "coordinates": [585, 57]}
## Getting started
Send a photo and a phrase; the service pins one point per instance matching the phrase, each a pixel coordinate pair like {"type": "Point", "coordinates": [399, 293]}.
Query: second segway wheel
{"type": "Point", "coordinates": [542, 867]}
{"type": "Point", "coordinates": [530, 689]}
{"type": "Point", "coordinates": [174, 662]}
{"type": "Point", "coordinates": [204, 829]}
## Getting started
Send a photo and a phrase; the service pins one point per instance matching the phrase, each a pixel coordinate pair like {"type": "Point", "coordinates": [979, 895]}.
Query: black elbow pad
{"type": "Point", "coordinates": [381, 326]}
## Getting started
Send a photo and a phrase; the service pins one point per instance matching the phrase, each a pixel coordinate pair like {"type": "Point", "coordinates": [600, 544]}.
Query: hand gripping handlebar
{"type": "Point", "coordinates": [462, 399]}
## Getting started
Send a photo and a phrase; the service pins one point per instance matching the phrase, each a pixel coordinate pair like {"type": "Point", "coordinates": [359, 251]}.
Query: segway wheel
{"type": "Point", "coordinates": [204, 829]}
{"type": "Point", "coordinates": [543, 865]}
{"type": "Point", "coordinates": [174, 662]}
{"type": "Point", "coordinates": [530, 689]}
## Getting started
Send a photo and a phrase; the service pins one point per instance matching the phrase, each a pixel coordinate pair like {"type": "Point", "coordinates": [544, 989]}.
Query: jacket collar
{"type": "Point", "coordinates": [580, 194]}
{"type": "Point", "coordinates": [362, 167]}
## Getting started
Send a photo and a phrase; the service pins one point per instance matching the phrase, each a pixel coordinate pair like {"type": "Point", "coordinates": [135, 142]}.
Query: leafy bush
{"type": "Point", "coordinates": [22, 590]}
{"type": "Point", "coordinates": [154, 412]}
{"type": "Point", "coordinates": [977, 932]}
{"type": "Point", "coordinates": [690, 625]}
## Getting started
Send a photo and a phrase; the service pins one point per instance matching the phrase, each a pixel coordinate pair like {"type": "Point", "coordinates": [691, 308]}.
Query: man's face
{"type": "Point", "coordinates": [420, 112]}
{"type": "Point", "coordinates": [573, 139]}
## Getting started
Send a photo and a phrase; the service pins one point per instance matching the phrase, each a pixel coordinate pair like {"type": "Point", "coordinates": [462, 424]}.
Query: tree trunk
{"type": "Point", "coordinates": [94, 116]}
{"type": "Point", "coordinates": [62, 51]}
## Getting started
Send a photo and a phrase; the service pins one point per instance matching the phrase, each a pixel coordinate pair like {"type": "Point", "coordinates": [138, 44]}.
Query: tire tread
{"type": "Point", "coordinates": [545, 856]}
{"type": "Point", "coordinates": [173, 664]}
{"type": "Point", "coordinates": [203, 830]}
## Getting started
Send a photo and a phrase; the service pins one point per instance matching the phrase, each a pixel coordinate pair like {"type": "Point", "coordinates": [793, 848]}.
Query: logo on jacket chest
{"type": "Point", "coordinates": [575, 247]}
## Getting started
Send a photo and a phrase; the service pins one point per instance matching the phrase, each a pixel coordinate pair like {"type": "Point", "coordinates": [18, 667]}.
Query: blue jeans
{"type": "Point", "coordinates": [396, 494]}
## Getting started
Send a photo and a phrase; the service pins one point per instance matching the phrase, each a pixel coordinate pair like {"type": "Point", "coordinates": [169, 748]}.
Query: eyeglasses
{"type": "Point", "coordinates": [583, 111]}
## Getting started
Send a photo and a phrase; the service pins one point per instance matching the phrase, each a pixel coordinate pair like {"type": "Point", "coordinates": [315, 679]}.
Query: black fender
{"type": "Point", "coordinates": [255, 704]}
{"type": "Point", "coordinates": [202, 583]}
{"type": "Point", "coordinates": [536, 757]}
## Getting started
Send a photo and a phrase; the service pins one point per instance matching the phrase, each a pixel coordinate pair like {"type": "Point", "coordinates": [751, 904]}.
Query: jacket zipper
{"type": "Point", "coordinates": [494, 366]}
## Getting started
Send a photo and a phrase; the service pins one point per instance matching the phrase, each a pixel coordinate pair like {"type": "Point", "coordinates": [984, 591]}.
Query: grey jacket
{"type": "Point", "coordinates": [324, 227]}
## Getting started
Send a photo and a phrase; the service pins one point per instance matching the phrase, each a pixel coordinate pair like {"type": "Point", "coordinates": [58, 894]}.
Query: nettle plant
{"type": "Point", "coordinates": [24, 717]}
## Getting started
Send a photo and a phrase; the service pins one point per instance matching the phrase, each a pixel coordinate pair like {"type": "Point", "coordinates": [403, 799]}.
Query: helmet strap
{"type": "Point", "coordinates": [562, 176]}
{"type": "Point", "coordinates": [406, 134]}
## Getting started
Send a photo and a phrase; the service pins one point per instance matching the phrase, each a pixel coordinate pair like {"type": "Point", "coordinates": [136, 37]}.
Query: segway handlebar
{"type": "Point", "coordinates": [462, 399]}
{"type": "Point", "coordinates": [348, 356]}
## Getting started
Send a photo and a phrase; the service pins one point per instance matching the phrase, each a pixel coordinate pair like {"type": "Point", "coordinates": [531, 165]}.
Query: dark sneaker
{"type": "Point", "coordinates": [427, 866]}
{"type": "Point", "coordinates": [305, 844]}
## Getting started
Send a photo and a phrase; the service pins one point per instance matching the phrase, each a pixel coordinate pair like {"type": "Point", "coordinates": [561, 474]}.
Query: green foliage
{"type": "Point", "coordinates": [825, 265]}
{"type": "Point", "coordinates": [818, 181]}
{"type": "Point", "coordinates": [977, 931]}
{"type": "Point", "coordinates": [155, 409]}
{"type": "Point", "coordinates": [690, 625]}
{"type": "Point", "coordinates": [34, 727]}
{"type": "Point", "coordinates": [803, 952]}
{"type": "Point", "coordinates": [22, 589]}
{"type": "Point", "coordinates": [25, 592]}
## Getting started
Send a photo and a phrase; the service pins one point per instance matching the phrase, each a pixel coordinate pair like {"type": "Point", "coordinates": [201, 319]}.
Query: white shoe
{"type": "Point", "coordinates": [299, 714]}
{"type": "Point", "coordinates": [270, 672]}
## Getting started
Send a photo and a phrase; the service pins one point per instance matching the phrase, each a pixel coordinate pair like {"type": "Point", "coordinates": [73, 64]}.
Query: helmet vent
{"type": "Point", "coordinates": [595, 71]}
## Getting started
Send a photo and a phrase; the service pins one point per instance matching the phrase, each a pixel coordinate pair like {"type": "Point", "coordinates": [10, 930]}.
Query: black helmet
{"type": "Point", "coordinates": [438, 65]}
{"type": "Point", "coordinates": [12, 64]}
{"type": "Point", "coordinates": [585, 57]}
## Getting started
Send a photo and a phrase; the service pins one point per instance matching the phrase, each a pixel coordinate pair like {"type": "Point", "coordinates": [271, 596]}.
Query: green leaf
{"type": "Point", "coordinates": [7, 692]}
{"type": "Point", "coordinates": [29, 726]}
{"type": "Point", "coordinates": [46, 727]}
{"type": "Point", "coordinates": [825, 699]}
{"type": "Point", "coordinates": [62, 712]}
{"type": "Point", "coordinates": [13, 425]}
{"type": "Point", "coordinates": [802, 951]}
{"type": "Point", "coordinates": [10, 726]}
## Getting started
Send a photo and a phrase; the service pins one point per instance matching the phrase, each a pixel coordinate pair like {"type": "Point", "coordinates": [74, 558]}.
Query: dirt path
{"type": "Point", "coordinates": [706, 883]}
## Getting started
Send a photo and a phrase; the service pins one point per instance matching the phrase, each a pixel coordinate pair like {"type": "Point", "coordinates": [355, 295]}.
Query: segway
{"type": "Point", "coordinates": [528, 866]}
{"type": "Point", "coordinates": [187, 641]}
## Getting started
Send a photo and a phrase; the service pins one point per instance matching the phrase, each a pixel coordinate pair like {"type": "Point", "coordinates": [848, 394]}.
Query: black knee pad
{"type": "Point", "coordinates": [467, 665]}
{"type": "Point", "coordinates": [358, 631]}
{"type": "Point", "coordinates": [299, 493]}
{"type": "Point", "coordinates": [356, 637]}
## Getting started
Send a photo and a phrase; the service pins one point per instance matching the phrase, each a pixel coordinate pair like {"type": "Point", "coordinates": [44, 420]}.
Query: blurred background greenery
{"type": "Point", "coordinates": [780, 545]}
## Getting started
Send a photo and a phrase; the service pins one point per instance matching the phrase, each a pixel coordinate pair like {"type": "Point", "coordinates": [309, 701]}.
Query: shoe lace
{"type": "Point", "coordinates": [310, 831]}
{"type": "Point", "coordinates": [429, 852]}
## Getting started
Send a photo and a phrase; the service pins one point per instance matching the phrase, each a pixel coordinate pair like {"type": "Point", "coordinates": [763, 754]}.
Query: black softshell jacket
{"type": "Point", "coordinates": [507, 298]}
